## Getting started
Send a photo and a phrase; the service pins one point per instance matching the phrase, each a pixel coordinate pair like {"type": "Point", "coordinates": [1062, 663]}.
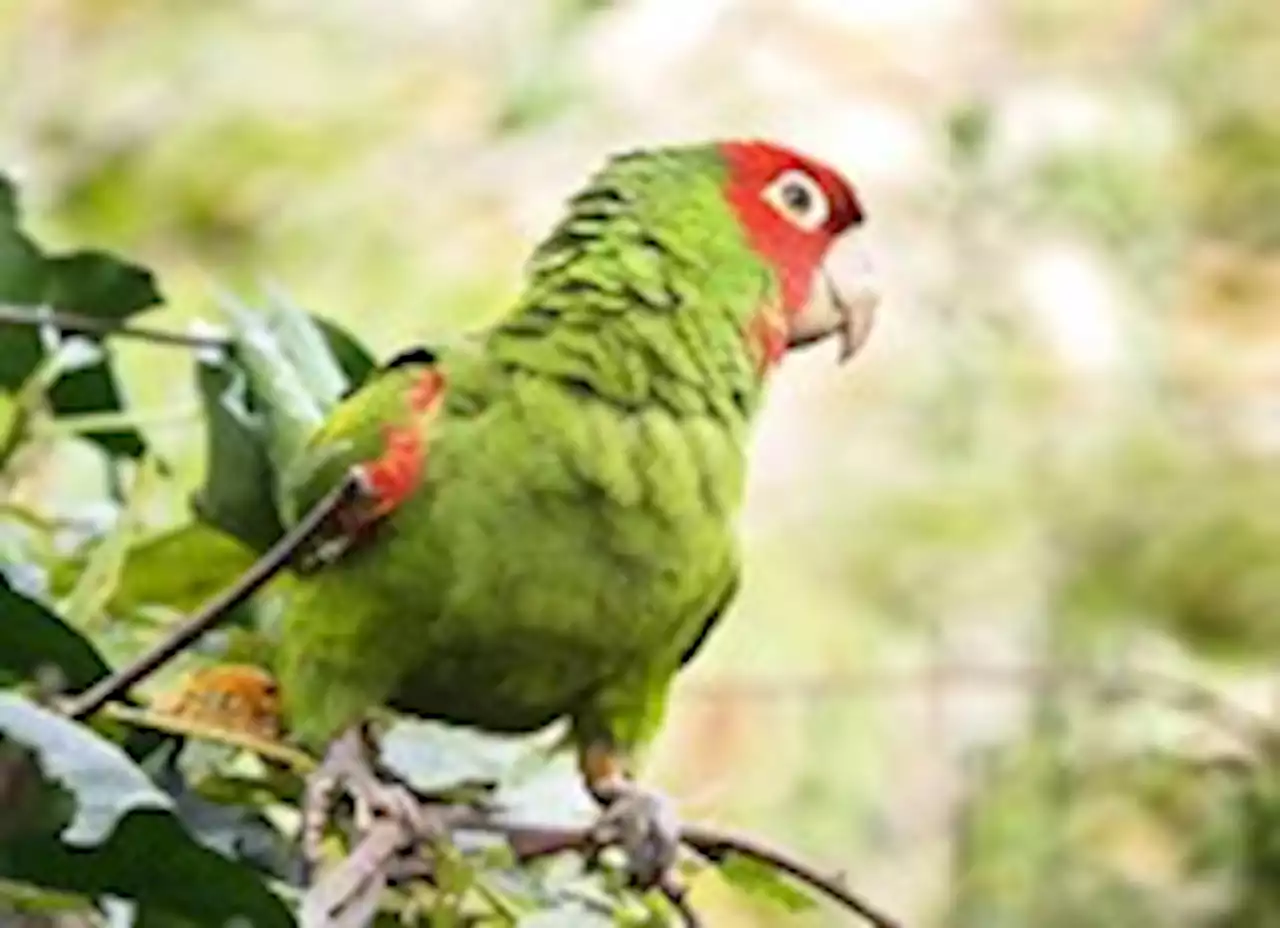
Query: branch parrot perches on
{"type": "Point", "coordinates": [551, 532]}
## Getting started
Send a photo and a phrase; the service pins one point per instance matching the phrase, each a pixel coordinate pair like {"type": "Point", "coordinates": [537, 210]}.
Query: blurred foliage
{"type": "Point", "coordinates": [1184, 539]}
{"type": "Point", "coordinates": [1221, 62]}
{"type": "Point", "coordinates": [85, 282]}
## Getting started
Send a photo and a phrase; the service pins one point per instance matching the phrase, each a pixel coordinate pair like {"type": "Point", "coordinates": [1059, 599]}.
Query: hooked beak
{"type": "Point", "coordinates": [846, 312]}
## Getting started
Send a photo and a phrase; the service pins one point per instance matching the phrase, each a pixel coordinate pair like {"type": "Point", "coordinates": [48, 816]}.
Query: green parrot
{"type": "Point", "coordinates": [548, 526]}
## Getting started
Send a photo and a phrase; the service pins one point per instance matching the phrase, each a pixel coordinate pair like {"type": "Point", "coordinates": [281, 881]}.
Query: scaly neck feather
{"type": "Point", "coordinates": [622, 311]}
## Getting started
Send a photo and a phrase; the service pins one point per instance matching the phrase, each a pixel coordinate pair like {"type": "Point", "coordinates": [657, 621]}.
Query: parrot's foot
{"type": "Point", "coordinates": [644, 824]}
{"type": "Point", "coordinates": [347, 768]}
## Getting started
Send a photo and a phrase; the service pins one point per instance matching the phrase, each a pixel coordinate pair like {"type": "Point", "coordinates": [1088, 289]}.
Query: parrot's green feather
{"type": "Point", "coordinates": [571, 540]}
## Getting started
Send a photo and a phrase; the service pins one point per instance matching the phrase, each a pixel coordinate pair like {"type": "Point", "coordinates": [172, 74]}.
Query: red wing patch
{"type": "Point", "coordinates": [396, 473]}
{"type": "Point", "coordinates": [389, 479]}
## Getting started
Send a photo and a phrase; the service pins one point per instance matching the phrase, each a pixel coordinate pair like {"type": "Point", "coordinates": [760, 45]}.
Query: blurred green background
{"type": "Point", "coordinates": [1009, 577]}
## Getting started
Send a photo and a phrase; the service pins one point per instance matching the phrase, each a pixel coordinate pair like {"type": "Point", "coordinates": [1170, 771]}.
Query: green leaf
{"type": "Point", "coordinates": [180, 569]}
{"type": "Point", "coordinates": [294, 378]}
{"type": "Point", "coordinates": [8, 201]}
{"type": "Point", "coordinates": [90, 283]}
{"type": "Point", "coordinates": [352, 357]}
{"type": "Point", "coordinates": [764, 883]}
{"type": "Point", "coordinates": [93, 823]}
{"type": "Point", "coordinates": [261, 404]}
{"type": "Point", "coordinates": [95, 389]}
{"type": "Point", "coordinates": [22, 269]}
{"type": "Point", "coordinates": [32, 637]}
{"type": "Point", "coordinates": [303, 344]}
{"type": "Point", "coordinates": [238, 496]}
{"type": "Point", "coordinates": [23, 276]}
{"type": "Point", "coordinates": [97, 284]}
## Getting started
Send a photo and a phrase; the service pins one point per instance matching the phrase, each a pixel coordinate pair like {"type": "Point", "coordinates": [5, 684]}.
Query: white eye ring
{"type": "Point", "coordinates": [800, 199]}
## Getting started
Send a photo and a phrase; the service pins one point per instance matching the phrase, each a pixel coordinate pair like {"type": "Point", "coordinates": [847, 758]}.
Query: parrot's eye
{"type": "Point", "coordinates": [800, 199]}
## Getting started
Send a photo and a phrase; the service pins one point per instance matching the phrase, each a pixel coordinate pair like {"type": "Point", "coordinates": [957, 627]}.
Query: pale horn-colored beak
{"type": "Point", "coordinates": [846, 312]}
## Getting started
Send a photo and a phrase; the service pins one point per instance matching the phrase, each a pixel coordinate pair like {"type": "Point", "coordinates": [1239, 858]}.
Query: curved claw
{"type": "Point", "coordinates": [347, 768]}
{"type": "Point", "coordinates": [645, 825]}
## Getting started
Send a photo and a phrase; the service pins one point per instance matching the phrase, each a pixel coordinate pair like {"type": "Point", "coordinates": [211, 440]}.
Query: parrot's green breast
{"type": "Point", "coordinates": [558, 548]}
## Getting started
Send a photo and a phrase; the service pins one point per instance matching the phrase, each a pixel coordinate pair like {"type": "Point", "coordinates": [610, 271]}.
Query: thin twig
{"type": "Point", "coordinates": [253, 579]}
{"type": "Point", "coordinates": [94, 325]}
{"type": "Point", "coordinates": [678, 896]}
{"type": "Point", "coordinates": [297, 761]}
{"type": "Point", "coordinates": [716, 845]}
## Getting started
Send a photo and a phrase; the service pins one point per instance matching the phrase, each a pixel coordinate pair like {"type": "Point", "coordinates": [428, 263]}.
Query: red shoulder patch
{"type": "Point", "coordinates": [396, 473]}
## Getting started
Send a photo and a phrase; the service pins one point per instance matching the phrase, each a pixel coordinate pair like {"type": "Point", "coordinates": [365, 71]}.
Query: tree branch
{"type": "Point", "coordinates": [374, 860]}
{"type": "Point", "coordinates": [74, 323]}
{"type": "Point", "coordinates": [208, 615]}
{"type": "Point", "coordinates": [717, 845]}
{"type": "Point", "coordinates": [530, 842]}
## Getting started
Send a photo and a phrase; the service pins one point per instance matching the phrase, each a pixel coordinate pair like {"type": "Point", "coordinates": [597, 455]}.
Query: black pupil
{"type": "Point", "coordinates": [797, 198]}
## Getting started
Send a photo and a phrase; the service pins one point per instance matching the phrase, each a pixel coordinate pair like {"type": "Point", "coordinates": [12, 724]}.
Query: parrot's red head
{"type": "Point", "coordinates": [793, 208]}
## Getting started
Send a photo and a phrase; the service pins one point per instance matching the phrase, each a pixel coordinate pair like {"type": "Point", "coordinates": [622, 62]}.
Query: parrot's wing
{"type": "Point", "coordinates": [733, 580]}
{"type": "Point", "coordinates": [382, 429]}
